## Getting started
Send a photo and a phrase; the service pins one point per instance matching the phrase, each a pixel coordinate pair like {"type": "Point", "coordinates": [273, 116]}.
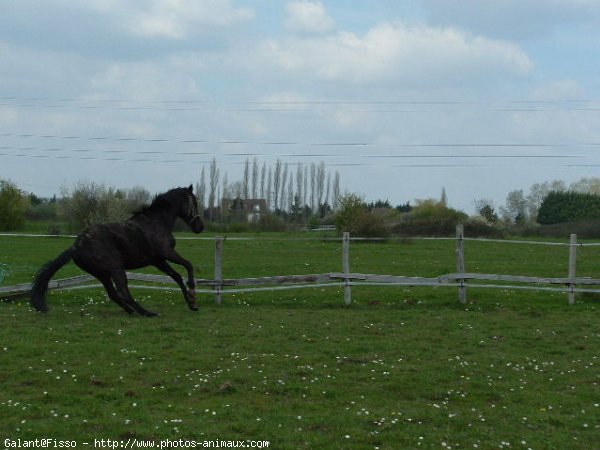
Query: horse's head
{"type": "Point", "coordinates": [189, 212]}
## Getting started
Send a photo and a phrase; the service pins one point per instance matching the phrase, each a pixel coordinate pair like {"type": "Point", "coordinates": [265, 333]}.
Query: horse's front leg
{"type": "Point", "coordinates": [188, 295]}
{"type": "Point", "coordinates": [176, 258]}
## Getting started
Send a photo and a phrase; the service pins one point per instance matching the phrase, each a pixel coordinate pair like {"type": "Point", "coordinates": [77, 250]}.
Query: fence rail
{"type": "Point", "coordinates": [461, 280]}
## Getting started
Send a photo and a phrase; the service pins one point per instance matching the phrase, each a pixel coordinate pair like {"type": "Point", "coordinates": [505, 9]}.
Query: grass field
{"type": "Point", "coordinates": [399, 368]}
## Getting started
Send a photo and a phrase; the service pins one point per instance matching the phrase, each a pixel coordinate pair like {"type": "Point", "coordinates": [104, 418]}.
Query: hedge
{"type": "Point", "coordinates": [568, 206]}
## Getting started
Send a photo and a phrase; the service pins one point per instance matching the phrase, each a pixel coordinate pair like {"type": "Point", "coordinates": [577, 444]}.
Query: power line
{"type": "Point", "coordinates": [300, 102]}
{"type": "Point", "coordinates": [290, 106]}
{"type": "Point", "coordinates": [178, 161]}
{"type": "Point", "coordinates": [232, 142]}
{"type": "Point", "coordinates": [291, 155]}
{"type": "Point", "coordinates": [53, 156]}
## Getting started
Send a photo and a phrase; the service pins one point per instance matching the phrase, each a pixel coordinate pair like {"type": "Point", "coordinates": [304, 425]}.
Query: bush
{"type": "Point", "coordinates": [476, 227]}
{"type": "Point", "coordinates": [90, 203]}
{"type": "Point", "coordinates": [354, 216]}
{"type": "Point", "coordinates": [368, 225]}
{"type": "Point", "coordinates": [43, 211]}
{"type": "Point", "coordinates": [270, 222]}
{"type": "Point", "coordinates": [586, 229]}
{"type": "Point", "coordinates": [13, 207]}
{"type": "Point", "coordinates": [351, 206]}
{"type": "Point", "coordinates": [430, 218]}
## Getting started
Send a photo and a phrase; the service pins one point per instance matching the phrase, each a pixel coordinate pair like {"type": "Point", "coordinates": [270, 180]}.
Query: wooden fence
{"type": "Point", "coordinates": [460, 280]}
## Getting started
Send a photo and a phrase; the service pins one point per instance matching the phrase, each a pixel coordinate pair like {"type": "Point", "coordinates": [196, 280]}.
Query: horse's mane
{"type": "Point", "coordinates": [161, 201]}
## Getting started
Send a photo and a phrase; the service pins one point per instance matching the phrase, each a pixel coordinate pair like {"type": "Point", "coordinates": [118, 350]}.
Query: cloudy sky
{"type": "Point", "coordinates": [403, 98]}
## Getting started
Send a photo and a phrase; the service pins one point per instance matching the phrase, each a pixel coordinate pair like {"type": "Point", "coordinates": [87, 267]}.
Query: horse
{"type": "Point", "coordinates": [145, 239]}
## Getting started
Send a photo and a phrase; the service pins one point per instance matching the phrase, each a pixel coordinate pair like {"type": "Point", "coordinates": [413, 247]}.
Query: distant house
{"type": "Point", "coordinates": [240, 209]}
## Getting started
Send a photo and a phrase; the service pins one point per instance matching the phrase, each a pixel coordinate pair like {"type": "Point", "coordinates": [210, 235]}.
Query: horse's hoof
{"type": "Point", "coordinates": [193, 306]}
{"type": "Point", "coordinates": [149, 314]}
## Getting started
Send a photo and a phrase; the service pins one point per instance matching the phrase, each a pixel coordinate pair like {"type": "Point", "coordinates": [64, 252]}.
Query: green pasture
{"type": "Point", "coordinates": [399, 368]}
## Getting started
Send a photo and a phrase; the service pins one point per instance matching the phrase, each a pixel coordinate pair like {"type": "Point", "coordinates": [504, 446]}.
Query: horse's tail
{"type": "Point", "coordinates": [43, 276]}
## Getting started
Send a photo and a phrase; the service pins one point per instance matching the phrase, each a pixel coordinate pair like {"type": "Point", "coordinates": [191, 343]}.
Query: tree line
{"type": "Point", "coordinates": [522, 208]}
{"type": "Point", "coordinates": [287, 189]}
{"type": "Point", "coordinates": [293, 193]}
{"type": "Point", "coordinates": [310, 195]}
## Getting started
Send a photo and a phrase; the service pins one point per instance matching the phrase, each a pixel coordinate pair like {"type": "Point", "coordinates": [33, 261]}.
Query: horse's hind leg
{"type": "Point", "coordinates": [112, 293]}
{"type": "Point", "coordinates": [86, 260]}
{"type": "Point", "coordinates": [120, 280]}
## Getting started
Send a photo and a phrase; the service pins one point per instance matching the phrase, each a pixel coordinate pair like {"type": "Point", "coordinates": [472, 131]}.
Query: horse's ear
{"type": "Point", "coordinates": [191, 189]}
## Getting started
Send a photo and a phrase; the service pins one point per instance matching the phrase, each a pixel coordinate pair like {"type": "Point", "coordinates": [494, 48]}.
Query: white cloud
{"type": "Point", "coordinates": [308, 17]}
{"type": "Point", "coordinates": [396, 53]}
{"type": "Point", "coordinates": [175, 19]}
{"type": "Point", "coordinates": [513, 18]}
{"type": "Point", "coordinates": [8, 116]}
{"type": "Point", "coordinates": [561, 90]}
{"type": "Point", "coordinates": [149, 81]}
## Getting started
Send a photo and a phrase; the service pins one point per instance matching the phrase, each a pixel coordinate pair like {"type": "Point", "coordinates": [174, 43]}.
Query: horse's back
{"type": "Point", "coordinates": [103, 247]}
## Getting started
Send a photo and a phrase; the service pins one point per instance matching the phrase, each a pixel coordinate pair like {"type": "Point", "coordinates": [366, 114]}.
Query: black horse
{"type": "Point", "coordinates": [146, 239]}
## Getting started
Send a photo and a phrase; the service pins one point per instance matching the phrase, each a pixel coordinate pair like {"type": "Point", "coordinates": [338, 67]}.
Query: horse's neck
{"type": "Point", "coordinates": [164, 218]}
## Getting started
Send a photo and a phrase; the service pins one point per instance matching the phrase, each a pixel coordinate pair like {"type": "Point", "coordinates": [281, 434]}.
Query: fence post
{"type": "Point", "coordinates": [460, 261]}
{"type": "Point", "coordinates": [572, 268]}
{"type": "Point", "coordinates": [346, 267]}
{"type": "Point", "coordinates": [218, 269]}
